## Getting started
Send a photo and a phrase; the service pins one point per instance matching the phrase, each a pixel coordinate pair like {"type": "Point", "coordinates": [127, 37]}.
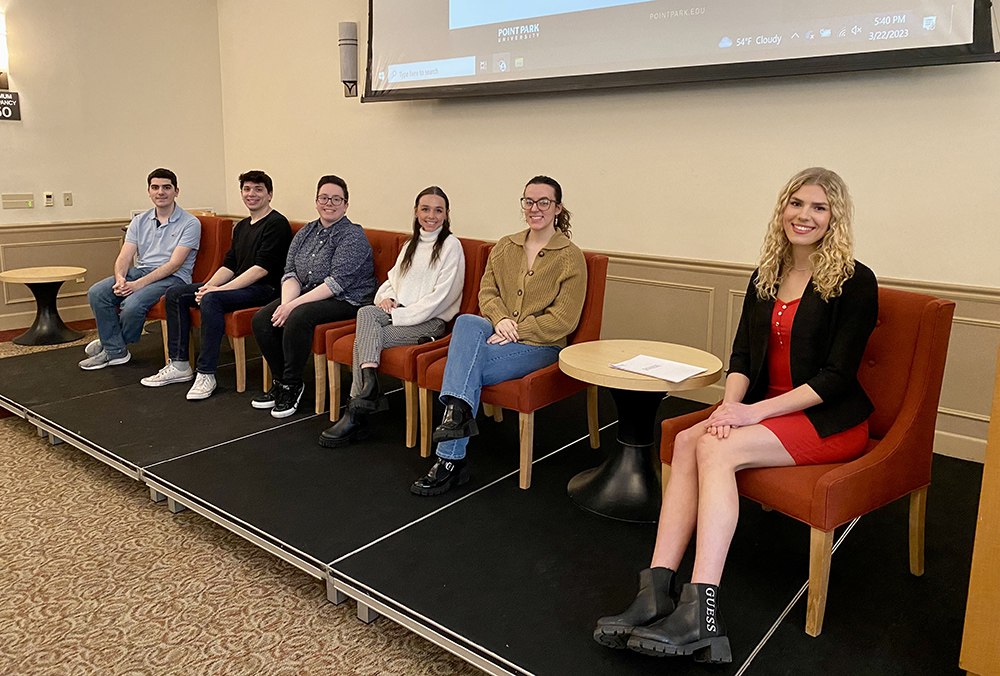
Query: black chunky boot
{"type": "Point", "coordinates": [694, 628]}
{"type": "Point", "coordinates": [443, 475]}
{"type": "Point", "coordinates": [457, 422]}
{"type": "Point", "coordinates": [370, 399]}
{"type": "Point", "coordinates": [656, 599]}
{"type": "Point", "coordinates": [352, 426]}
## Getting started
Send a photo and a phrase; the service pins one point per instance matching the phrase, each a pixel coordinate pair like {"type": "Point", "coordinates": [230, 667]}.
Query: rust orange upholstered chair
{"type": "Point", "coordinates": [401, 362]}
{"type": "Point", "coordinates": [385, 247]}
{"type": "Point", "coordinates": [216, 238]}
{"type": "Point", "coordinates": [534, 391]}
{"type": "Point", "coordinates": [902, 371]}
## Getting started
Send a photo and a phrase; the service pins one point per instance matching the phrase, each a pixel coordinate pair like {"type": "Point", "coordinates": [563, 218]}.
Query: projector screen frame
{"type": "Point", "coordinates": [981, 50]}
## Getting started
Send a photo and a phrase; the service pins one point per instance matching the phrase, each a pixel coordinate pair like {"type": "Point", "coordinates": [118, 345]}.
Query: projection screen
{"type": "Point", "coordinates": [439, 48]}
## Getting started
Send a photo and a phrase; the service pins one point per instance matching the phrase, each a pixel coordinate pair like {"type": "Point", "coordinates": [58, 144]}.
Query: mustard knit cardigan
{"type": "Point", "coordinates": [546, 301]}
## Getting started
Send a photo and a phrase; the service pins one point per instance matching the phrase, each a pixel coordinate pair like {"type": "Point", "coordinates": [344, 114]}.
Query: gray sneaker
{"type": "Point", "coordinates": [169, 374]}
{"type": "Point", "coordinates": [203, 387]}
{"type": "Point", "coordinates": [93, 348]}
{"type": "Point", "coordinates": [101, 359]}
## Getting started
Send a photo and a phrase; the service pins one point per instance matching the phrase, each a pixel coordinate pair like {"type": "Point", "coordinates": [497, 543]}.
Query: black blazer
{"type": "Point", "coordinates": [827, 344]}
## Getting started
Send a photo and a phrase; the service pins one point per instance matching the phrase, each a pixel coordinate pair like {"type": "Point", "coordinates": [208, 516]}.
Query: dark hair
{"type": "Point", "coordinates": [562, 218]}
{"type": "Point", "coordinates": [256, 176]}
{"type": "Point", "coordinates": [411, 247]}
{"type": "Point", "coordinates": [336, 180]}
{"type": "Point", "coordinates": [162, 173]}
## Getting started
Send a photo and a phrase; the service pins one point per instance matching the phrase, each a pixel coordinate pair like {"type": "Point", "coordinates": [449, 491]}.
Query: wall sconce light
{"type": "Point", "coordinates": [4, 59]}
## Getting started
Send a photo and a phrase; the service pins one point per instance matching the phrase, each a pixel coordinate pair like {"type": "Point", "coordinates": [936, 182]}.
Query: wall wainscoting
{"type": "Point", "coordinates": [683, 301]}
{"type": "Point", "coordinates": [93, 245]}
{"type": "Point", "coordinates": [698, 303]}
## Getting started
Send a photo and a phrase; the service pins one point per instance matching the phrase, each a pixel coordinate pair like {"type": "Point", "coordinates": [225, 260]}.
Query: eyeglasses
{"type": "Point", "coordinates": [336, 200]}
{"type": "Point", "coordinates": [543, 204]}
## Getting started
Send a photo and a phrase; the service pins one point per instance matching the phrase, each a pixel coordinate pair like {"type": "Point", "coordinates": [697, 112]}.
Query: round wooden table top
{"type": "Point", "coordinates": [591, 363]}
{"type": "Point", "coordinates": [56, 273]}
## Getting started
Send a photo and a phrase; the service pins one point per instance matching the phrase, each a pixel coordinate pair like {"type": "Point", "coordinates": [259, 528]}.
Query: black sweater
{"type": "Point", "coordinates": [827, 344]}
{"type": "Point", "coordinates": [264, 243]}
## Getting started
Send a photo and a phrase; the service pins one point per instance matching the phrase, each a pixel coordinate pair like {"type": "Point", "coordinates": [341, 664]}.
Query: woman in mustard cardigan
{"type": "Point", "coordinates": [531, 298]}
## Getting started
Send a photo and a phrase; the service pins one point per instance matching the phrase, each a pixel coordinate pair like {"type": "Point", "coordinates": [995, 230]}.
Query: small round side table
{"type": "Point", "coordinates": [626, 486]}
{"type": "Point", "coordinates": [48, 328]}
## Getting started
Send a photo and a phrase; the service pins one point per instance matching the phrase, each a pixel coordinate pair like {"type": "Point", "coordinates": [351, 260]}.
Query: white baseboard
{"type": "Point", "coordinates": [960, 446]}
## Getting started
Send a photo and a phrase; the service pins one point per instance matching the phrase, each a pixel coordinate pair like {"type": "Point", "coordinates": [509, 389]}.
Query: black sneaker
{"type": "Point", "coordinates": [287, 400]}
{"type": "Point", "coordinates": [267, 399]}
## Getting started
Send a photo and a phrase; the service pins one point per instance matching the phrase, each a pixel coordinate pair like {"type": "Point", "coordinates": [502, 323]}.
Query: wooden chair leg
{"type": "Point", "coordinates": [918, 515]}
{"type": "Point", "coordinates": [593, 426]}
{"type": "Point", "coordinates": [240, 352]}
{"type": "Point", "coordinates": [267, 375]}
{"type": "Point", "coordinates": [493, 411]}
{"type": "Point", "coordinates": [333, 375]}
{"type": "Point", "coordinates": [166, 350]}
{"type": "Point", "coordinates": [426, 400]}
{"type": "Point", "coordinates": [527, 447]}
{"type": "Point", "coordinates": [319, 361]}
{"type": "Point", "coordinates": [820, 553]}
{"type": "Point", "coordinates": [412, 421]}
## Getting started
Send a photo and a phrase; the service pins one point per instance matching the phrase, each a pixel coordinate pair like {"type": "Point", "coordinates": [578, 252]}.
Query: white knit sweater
{"type": "Point", "coordinates": [426, 292]}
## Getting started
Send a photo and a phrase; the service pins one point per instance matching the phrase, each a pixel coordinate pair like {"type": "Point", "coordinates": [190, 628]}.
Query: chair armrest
{"type": "Point", "coordinates": [671, 426]}
{"type": "Point", "coordinates": [896, 466]}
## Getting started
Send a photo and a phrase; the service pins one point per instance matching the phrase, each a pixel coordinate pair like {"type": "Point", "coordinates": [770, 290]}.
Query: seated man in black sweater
{"type": "Point", "coordinates": [249, 277]}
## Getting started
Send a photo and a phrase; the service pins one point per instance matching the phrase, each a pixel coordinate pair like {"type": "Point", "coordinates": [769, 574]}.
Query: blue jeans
{"type": "Point", "coordinates": [117, 329]}
{"type": "Point", "coordinates": [214, 306]}
{"type": "Point", "coordinates": [473, 363]}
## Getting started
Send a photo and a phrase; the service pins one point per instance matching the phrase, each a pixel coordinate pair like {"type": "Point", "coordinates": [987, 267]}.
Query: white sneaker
{"type": "Point", "coordinates": [101, 359]}
{"type": "Point", "coordinates": [169, 374]}
{"type": "Point", "coordinates": [203, 387]}
{"type": "Point", "coordinates": [93, 348]}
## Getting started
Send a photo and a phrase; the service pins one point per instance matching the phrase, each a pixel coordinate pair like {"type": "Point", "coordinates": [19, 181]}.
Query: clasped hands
{"type": "Point", "coordinates": [729, 416]}
{"type": "Point", "coordinates": [124, 288]}
{"type": "Point", "coordinates": [200, 293]}
{"type": "Point", "coordinates": [504, 332]}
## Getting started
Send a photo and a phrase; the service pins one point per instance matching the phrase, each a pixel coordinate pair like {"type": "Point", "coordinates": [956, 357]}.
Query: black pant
{"type": "Point", "coordinates": [180, 299]}
{"type": "Point", "coordinates": [287, 348]}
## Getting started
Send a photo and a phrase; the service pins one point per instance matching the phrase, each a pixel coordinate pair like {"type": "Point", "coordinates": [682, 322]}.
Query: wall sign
{"type": "Point", "coordinates": [10, 106]}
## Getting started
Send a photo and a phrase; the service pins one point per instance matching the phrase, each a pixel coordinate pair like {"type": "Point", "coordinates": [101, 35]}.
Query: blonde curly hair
{"type": "Point", "coordinates": [833, 260]}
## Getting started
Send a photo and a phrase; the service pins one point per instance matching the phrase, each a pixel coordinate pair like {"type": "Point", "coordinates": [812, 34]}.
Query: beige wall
{"type": "Point", "coordinates": [687, 172]}
{"type": "Point", "coordinates": [111, 89]}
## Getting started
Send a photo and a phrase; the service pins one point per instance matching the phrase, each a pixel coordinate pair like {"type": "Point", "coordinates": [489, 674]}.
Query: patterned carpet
{"type": "Point", "coordinates": [97, 579]}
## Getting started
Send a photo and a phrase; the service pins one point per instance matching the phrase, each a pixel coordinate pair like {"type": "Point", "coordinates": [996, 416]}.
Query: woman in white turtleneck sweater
{"type": "Point", "coordinates": [421, 295]}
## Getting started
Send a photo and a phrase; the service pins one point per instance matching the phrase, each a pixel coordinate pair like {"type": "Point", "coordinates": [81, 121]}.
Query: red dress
{"type": "Point", "coordinates": [794, 430]}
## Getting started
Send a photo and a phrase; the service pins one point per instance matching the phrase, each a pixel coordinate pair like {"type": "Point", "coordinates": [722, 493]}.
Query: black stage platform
{"type": "Point", "coordinates": [510, 580]}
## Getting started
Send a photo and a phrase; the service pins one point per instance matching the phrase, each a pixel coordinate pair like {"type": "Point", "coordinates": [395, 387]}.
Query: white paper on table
{"type": "Point", "coordinates": [663, 369]}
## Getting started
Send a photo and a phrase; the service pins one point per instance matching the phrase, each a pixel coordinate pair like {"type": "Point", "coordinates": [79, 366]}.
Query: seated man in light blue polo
{"type": "Point", "coordinates": [166, 240]}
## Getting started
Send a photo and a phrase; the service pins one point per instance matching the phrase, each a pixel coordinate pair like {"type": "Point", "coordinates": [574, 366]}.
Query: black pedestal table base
{"type": "Point", "coordinates": [627, 485]}
{"type": "Point", "coordinates": [48, 328]}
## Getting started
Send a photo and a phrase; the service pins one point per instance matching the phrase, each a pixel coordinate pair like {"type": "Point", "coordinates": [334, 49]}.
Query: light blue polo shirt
{"type": "Point", "coordinates": [156, 241]}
